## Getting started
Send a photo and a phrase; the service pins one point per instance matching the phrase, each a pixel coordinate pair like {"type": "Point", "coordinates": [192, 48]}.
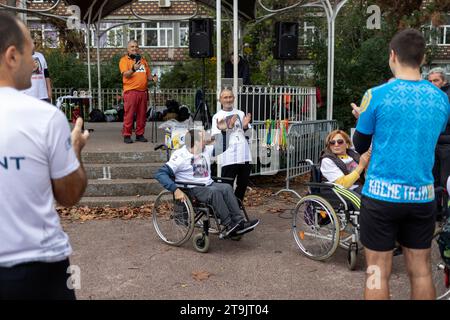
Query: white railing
{"type": "Point", "coordinates": [263, 102]}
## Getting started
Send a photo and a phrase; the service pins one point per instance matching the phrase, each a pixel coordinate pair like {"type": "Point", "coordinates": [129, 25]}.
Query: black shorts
{"type": "Point", "coordinates": [36, 281]}
{"type": "Point", "coordinates": [410, 224]}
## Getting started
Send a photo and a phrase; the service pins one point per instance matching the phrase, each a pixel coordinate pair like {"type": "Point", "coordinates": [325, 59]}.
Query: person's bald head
{"type": "Point", "coordinates": [132, 47]}
{"type": "Point", "coordinates": [226, 99]}
{"type": "Point", "coordinates": [16, 50]}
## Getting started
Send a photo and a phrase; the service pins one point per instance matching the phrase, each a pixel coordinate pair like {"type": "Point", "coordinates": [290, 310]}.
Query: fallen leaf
{"type": "Point", "coordinates": [201, 275]}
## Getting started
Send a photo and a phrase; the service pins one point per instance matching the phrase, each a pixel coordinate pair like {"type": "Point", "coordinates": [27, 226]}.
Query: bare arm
{"type": "Point", "coordinates": [69, 189]}
{"type": "Point", "coordinates": [49, 88]}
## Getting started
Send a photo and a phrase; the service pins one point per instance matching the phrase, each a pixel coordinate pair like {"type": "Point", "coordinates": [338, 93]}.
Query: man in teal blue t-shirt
{"type": "Point", "coordinates": [402, 120]}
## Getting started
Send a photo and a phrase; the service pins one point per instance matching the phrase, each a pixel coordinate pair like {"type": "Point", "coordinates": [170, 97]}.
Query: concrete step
{"type": "Point", "coordinates": [122, 187]}
{"type": "Point", "coordinates": [124, 157]}
{"type": "Point", "coordinates": [122, 170]}
{"type": "Point", "coordinates": [116, 202]}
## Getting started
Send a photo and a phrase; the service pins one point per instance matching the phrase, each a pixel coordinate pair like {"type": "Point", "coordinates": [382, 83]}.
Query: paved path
{"type": "Point", "coordinates": [122, 259]}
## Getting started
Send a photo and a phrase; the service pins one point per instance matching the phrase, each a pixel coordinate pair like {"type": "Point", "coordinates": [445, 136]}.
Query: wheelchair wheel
{"type": "Point", "coordinates": [201, 242]}
{"type": "Point", "coordinates": [352, 256]}
{"type": "Point", "coordinates": [173, 220]}
{"type": "Point", "coordinates": [439, 271]}
{"type": "Point", "coordinates": [315, 227]}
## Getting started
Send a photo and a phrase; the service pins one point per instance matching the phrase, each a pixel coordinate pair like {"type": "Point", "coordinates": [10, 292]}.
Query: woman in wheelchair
{"type": "Point", "coordinates": [340, 164]}
{"type": "Point", "coordinates": [192, 164]}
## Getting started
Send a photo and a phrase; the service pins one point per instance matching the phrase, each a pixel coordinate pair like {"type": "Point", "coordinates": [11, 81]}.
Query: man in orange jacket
{"type": "Point", "coordinates": [135, 75]}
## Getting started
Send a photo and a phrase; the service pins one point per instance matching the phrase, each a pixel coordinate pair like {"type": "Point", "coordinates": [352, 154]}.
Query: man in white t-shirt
{"type": "Point", "coordinates": [41, 85]}
{"type": "Point", "coordinates": [40, 162]}
{"type": "Point", "coordinates": [230, 125]}
{"type": "Point", "coordinates": [192, 164]}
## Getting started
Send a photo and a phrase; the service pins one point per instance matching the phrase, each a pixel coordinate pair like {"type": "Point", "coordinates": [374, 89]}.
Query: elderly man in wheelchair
{"type": "Point", "coordinates": [328, 216]}
{"type": "Point", "coordinates": [193, 198]}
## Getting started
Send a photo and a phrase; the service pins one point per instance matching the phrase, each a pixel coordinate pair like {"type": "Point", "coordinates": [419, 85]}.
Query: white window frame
{"type": "Point", "coordinates": [437, 40]}
{"type": "Point", "coordinates": [304, 41]}
{"type": "Point", "coordinates": [158, 29]}
{"type": "Point", "coordinates": [445, 36]}
{"type": "Point", "coordinates": [187, 34]}
{"type": "Point", "coordinates": [42, 29]}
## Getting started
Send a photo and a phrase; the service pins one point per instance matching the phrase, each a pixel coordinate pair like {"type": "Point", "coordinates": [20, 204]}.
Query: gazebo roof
{"type": "Point", "coordinates": [246, 7]}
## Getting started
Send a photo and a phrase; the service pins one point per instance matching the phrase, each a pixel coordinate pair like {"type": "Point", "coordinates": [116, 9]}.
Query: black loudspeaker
{"type": "Point", "coordinates": [200, 38]}
{"type": "Point", "coordinates": [286, 40]}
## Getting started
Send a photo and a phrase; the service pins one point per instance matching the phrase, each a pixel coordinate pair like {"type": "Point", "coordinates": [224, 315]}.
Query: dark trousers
{"type": "Point", "coordinates": [220, 196]}
{"type": "Point", "coordinates": [36, 281]}
{"type": "Point", "coordinates": [240, 172]}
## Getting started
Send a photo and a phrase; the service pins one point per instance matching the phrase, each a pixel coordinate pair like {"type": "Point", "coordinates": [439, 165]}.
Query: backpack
{"type": "Point", "coordinates": [97, 115]}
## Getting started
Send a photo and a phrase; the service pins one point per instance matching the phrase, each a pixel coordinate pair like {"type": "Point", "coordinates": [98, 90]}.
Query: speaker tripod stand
{"type": "Point", "coordinates": [202, 109]}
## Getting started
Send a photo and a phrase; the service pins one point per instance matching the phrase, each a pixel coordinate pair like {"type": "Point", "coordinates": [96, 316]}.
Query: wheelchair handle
{"type": "Point", "coordinates": [222, 179]}
{"type": "Point", "coordinates": [185, 184]}
{"type": "Point", "coordinates": [306, 161]}
{"type": "Point", "coordinates": [161, 146]}
{"type": "Point", "coordinates": [439, 189]}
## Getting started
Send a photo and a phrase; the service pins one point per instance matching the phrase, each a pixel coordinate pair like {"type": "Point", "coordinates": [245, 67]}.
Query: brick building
{"type": "Point", "coordinates": [166, 39]}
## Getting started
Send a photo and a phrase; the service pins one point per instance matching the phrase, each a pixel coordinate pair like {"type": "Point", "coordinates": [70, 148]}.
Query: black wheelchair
{"type": "Point", "coordinates": [327, 218]}
{"type": "Point", "coordinates": [440, 253]}
{"type": "Point", "coordinates": [175, 221]}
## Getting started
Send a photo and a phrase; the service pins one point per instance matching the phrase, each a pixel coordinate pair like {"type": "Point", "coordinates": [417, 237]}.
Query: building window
{"type": "Point", "coordinates": [438, 35]}
{"type": "Point", "coordinates": [184, 34]}
{"type": "Point", "coordinates": [113, 37]}
{"type": "Point", "coordinates": [153, 34]}
{"type": "Point", "coordinates": [443, 35]}
{"type": "Point", "coordinates": [46, 34]}
{"type": "Point", "coordinates": [307, 32]}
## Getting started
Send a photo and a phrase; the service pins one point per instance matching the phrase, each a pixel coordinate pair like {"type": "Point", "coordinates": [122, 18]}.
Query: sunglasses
{"type": "Point", "coordinates": [338, 141]}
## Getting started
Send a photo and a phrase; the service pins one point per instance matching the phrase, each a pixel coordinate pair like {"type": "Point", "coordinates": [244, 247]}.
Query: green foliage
{"type": "Point", "coordinates": [189, 74]}
{"type": "Point", "coordinates": [68, 71]}
{"type": "Point", "coordinates": [361, 60]}
{"type": "Point", "coordinates": [110, 73]}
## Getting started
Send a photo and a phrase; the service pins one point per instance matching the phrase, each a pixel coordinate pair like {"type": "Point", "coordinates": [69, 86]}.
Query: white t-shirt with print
{"type": "Point", "coordinates": [238, 150]}
{"type": "Point", "coordinates": [35, 147]}
{"type": "Point", "coordinates": [188, 167]}
{"type": "Point", "coordinates": [38, 87]}
{"type": "Point", "coordinates": [331, 172]}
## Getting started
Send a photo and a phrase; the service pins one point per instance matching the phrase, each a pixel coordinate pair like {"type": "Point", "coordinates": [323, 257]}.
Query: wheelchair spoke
{"type": "Point", "coordinates": [315, 228]}
{"type": "Point", "coordinates": [173, 220]}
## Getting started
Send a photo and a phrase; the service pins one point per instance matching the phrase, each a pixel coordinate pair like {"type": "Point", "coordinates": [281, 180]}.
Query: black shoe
{"type": "Point", "coordinates": [141, 139]}
{"type": "Point", "coordinates": [247, 226]}
{"type": "Point", "coordinates": [230, 229]}
{"type": "Point", "coordinates": [127, 140]}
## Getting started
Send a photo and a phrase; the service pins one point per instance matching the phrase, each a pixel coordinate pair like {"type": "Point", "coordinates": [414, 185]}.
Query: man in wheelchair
{"type": "Point", "coordinates": [192, 164]}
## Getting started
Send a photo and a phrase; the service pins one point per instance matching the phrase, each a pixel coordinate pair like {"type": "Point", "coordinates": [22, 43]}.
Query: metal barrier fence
{"type": "Point", "coordinates": [278, 102]}
{"type": "Point", "coordinates": [305, 140]}
{"type": "Point", "coordinates": [263, 102]}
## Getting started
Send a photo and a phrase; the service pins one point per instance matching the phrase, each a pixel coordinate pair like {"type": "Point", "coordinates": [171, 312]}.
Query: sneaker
{"type": "Point", "coordinates": [247, 226]}
{"type": "Point", "coordinates": [230, 229]}
{"type": "Point", "coordinates": [141, 139]}
{"type": "Point", "coordinates": [127, 140]}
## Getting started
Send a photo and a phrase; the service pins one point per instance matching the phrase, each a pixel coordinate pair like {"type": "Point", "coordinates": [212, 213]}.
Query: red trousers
{"type": "Point", "coordinates": [134, 102]}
